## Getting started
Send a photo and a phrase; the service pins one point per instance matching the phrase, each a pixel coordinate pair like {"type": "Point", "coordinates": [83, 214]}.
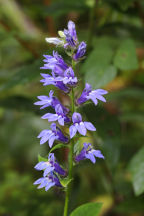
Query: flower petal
{"type": "Point", "coordinates": [48, 170]}
{"type": "Point", "coordinates": [51, 140]}
{"type": "Point", "coordinates": [81, 128]}
{"type": "Point", "coordinates": [49, 185]}
{"type": "Point", "coordinates": [61, 120]}
{"type": "Point", "coordinates": [72, 131]}
{"type": "Point", "coordinates": [89, 126]}
{"type": "Point", "coordinates": [91, 157]}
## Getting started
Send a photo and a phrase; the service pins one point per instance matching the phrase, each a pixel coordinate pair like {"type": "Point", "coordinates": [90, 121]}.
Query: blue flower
{"type": "Point", "coordinates": [60, 116]}
{"type": "Point", "coordinates": [50, 166]}
{"type": "Point", "coordinates": [70, 35]}
{"type": "Point", "coordinates": [64, 82]}
{"type": "Point", "coordinates": [69, 77]}
{"type": "Point", "coordinates": [46, 101]}
{"type": "Point", "coordinates": [52, 101]}
{"type": "Point", "coordinates": [51, 80]}
{"type": "Point", "coordinates": [47, 182]}
{"type": "Point", "coordinates": [89, 94]}
{"type": "Point", "coordinates": [80, 126]}
{"type": "Point", "coordinates": [88, 153]}
{"type": "Point", "coordinates": [52, 135]}
{"type": "Point", "coordinates": [55, 63]}
{"type": "Point", "coordinates": [80, 51]}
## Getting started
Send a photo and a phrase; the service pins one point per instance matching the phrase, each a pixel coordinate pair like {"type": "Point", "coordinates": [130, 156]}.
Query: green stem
{"type": "Point", "coordinates": [70, 162]}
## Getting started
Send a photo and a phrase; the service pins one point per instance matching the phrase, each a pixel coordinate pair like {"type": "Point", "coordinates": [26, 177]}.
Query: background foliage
{"type": "Point", "coordinates": [114, 31]}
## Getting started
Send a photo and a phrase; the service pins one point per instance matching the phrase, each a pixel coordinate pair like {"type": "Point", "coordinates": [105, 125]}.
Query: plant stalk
{"type": "Point", "coordinates": [70, 162]}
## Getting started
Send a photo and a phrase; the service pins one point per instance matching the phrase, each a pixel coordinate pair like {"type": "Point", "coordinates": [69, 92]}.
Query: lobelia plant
{"type": "Point", "coordinates": [63, 77]}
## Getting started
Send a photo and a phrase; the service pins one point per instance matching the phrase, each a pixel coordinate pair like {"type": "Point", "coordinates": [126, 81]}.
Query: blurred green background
{"type": "Point", "coordinates": [114, 31]}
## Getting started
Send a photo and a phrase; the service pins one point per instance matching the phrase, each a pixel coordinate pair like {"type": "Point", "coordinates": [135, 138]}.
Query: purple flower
{"type": "Point", "coordinates": [52, 101]}
{"type": "Point", "coordinates": [94, 95]}
{"type": "Point", "coordinates": [46, 101]}
{"type": "Point", "coordinates": [47, 182]}
{"type": "Point", "coordinates": [59, 116]}
{"type": "Point", "coordinates": [88, 153]}
{"type": "Point", "coordinates": [50, 166]}
{"type": "Point", "coordinates": [50, 80]}
{"type": "Point", "coordinates": [80, 126]}
{"type": "Point", "coordinates": [55, 63]}
{"type": "Point", "coordinates": [80, 52]}
{"type": "Point", "coordinates": [70, 35]}
{"type": "Point", "coordinates": [52, 135]}
{"type": "Point", "coordinates": [69, 77]}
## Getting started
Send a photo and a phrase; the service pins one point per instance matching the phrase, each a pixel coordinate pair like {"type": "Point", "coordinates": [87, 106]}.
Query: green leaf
{"type": "Point", "coordinates": [136, 168]}
{"type": "Point", "coordinates": [40, 158]}
{"type": "Point", "coordinates": [88, 209]}
{"type": "Point", "coordinates": [23, 75]}
{"type": "Point", "coordinates": [58, 146]}
{"type": "Point", "coordinates": [100, 75]}
{"type": "Point", "coordinates": [101, 55]}
{"type": "Point", "coordinates": [65, 181]}
{"type": "Point", "coordinates": [125, 58]}
{"type": "Point", "coordinates": [98, 69]}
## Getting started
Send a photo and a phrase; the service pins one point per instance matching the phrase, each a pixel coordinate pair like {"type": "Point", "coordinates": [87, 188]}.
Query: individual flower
{"type": "Point", "coordinates": [80, 51]}
{"type": "Point", "coordinates": [88, 153]}
{"type": "Point", "coordinates": [70, 35]}
{"type": "Point", "coordinates": [89, 94]}
{"type": "Point", "coordinates": [52, 101]}
{"type": "Point", "coordinates": [80, 126]}
{"type": "Point", "coordinates": [55, 41]}
{"type": "Point", "coordinates": [60, 116]}
{"type": "Point", "coordinates": [46, 101]}
{"type": "Point", "coordinates": [69, 77]}
{"type": "Point", "coordinates": [47, 182]}
{"type": "Point", "coordinates": [51, 135]}
{"type": "Point", "coordinates": [51, 80]}
{"type": "Point", "coordinates": [50, 166]}
{"type": "Point", "coordinates": [55, 63]}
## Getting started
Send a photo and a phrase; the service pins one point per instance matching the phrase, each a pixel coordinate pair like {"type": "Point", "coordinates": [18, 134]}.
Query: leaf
{"type": "Point", "coordinates": [58, 146]}
{"type": "Point", "coordinates": [101, 55]}
{"type": "Point", "coordinates": [40, 158]}
{"type": "Point", "coordinates": [125, 58]}
{"type": "Point", "coordinates": [136, 168]}
{"type": "Point", "coordinates": [65, 181]}
{"type": "Point", "coordinates": [24, 75]}
{"type": "Point", "coordinates": [88, 209]}
{"type": "Point", "coordinates": [100, 75]}
{"type": "Point", "coordinates": [98, 69]}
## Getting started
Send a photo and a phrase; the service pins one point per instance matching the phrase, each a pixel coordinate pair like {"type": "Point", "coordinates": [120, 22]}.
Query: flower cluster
{"type": "Point", "coordinates": [62, 76]}
{"type": "Point", "coordinates": [51, 169]}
